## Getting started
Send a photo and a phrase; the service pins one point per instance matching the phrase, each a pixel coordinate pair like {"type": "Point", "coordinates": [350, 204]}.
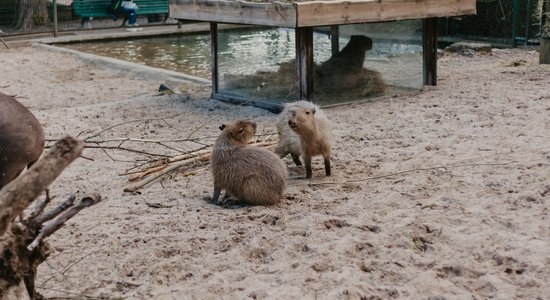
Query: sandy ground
{"type": "Point", "coordinates": [440, 195]}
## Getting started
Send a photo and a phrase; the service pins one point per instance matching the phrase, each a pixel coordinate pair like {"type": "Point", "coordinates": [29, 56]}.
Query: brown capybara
{"type": "Point", "coordinates": [251, 174]}
{"type": "Point", "coordinates": [343, 70]}
{"type": "Point", "coordinates": [314, 131]}
{"type": "Point", "coordinates": [21, 139]}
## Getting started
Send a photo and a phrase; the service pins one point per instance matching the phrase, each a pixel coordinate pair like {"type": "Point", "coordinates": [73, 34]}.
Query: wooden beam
{"type": "Point", "coordinates": [236, 12]}
{"type": "Point", "coordinates": [429, 51]}
{"type": "Point", "coordinates": [323, 13]}
{"type": "Point", "coordinates": [316, 13]}
{"type": "Point", "coordinates": [304, 62]}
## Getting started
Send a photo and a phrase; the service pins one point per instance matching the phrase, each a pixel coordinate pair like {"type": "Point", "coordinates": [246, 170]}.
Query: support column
{"type": "Point", "coordinates": [334, 39]}
{"type": "Point", "coordinates": [429, 51]}
{"type": "Point", "coordinates": [304, 62]}
{"type": "Point", "coordinates": [214, 53]}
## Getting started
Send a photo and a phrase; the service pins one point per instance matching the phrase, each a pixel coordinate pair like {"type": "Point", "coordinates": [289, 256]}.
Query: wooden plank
{"type": "Point", "coordinates": [319, 13]}
{"type": "Point", "coordinates": [316, 13]}
{"type": "Point", "coordinates": [237, 12]}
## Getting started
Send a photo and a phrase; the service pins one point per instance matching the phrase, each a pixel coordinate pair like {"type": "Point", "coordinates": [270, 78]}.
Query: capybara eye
{"type": "Point", "coordinates": [222, 127]}
{"type": "Point", "coordinates": [307, 112]}
{"type": "Point", "coordinates": [241, 130]}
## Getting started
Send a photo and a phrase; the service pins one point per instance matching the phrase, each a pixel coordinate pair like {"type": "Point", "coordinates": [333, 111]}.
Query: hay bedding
{"type": "Point", "coordinates": [281, 84]}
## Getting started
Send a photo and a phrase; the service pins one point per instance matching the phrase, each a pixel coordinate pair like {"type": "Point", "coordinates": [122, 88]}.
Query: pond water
{"type": "Point", "coordinates": [191, 54]}
{"type": "Point", "coordinates": [258, 63]}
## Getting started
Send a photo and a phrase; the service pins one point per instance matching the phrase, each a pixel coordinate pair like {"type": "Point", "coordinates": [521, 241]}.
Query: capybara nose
{"type": "Point", "coordinates": [291, 124]}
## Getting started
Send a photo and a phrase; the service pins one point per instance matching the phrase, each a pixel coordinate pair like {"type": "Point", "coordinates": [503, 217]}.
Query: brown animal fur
{"type": "Point", "coordinates": [313, 128]}
{"type": "Point", "coordinates": [21, 139]}
{"type": "Point", "coordinates": [289, 141]}
{"type": "Point", "coordinates": [251, 174]}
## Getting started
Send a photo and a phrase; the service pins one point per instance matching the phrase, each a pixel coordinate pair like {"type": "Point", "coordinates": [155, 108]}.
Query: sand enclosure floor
{"type": "Point", "coordinates": [464, 213]}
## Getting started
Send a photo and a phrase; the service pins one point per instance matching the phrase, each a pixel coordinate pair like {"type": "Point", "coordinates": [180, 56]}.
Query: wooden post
{"type": "Point", "coordinates": [334, 39]}
{"type": "Point", "coordinates": [544, 54]}
{"type": "Point", "coordinates": [214, 54]}
{"type": "Point", "coordinates": [429, 51]}
{"type": "Point", "coordinates": [514, 22]}
{"type": "Point", "coordinates": [54, 13]}
{"type": "Point", "coordinates": [304, 62]}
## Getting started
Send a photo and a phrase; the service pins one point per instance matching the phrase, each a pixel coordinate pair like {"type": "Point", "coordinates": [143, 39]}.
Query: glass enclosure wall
{"type": "Point", "coordinates": [257, 63]}
{"type": "Point", "coordinates": [394, 64]}
{"type": "Point", "coordinates": [381, 59]}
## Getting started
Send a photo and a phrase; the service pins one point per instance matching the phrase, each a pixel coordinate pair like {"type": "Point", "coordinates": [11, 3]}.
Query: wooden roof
{"type": "Point", "coordinates": [316, 13]}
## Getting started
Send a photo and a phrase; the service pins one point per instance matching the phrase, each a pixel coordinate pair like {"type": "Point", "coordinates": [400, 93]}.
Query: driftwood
{"type": "Point", "coordinates": [22, 245]}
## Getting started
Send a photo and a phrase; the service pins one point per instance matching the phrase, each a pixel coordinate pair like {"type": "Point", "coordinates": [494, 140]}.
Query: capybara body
{"type": "Point", "coordinates": [313, 129]}
{"type": "Point", "coordinates": [343, 70]}
{"type": "Point", "coordinates": [21, 139]}
{"type": "Point", "coordinates": [251, 174]}
{"type": "Point", "coordinates": [289, 141]}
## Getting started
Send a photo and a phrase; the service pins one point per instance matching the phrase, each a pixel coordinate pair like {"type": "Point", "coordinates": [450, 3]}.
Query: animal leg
{"type": "Point", "coordinates": [327, 166]}
{"type": "Point", "coordinates": [296, 159]}
{"type": "Point", "coordinates": [216, 195]}
{"type": "Point", "coordinates": [307, 162]}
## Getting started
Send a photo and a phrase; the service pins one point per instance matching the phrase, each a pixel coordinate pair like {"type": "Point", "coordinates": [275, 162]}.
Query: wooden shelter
{"type": "Point", "coordinates": [303, 16]}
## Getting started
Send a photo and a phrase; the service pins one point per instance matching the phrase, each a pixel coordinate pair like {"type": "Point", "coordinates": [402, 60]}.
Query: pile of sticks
{"type": "Point", "coordinates": [188, 163]}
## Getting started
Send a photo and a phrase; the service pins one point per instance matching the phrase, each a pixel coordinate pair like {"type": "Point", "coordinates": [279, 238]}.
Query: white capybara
{"type": "Point", "coordinates": [305, 131]}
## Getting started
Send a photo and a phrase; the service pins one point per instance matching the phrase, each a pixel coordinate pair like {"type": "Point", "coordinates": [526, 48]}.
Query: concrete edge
{"type": "Point", "coordinates": [138, 70]}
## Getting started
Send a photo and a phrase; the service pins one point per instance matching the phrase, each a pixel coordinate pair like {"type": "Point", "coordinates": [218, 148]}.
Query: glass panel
{"type": "Point", "coordinates": [392, 62]}
{"type": "Point", "coordinates": [257, 63]}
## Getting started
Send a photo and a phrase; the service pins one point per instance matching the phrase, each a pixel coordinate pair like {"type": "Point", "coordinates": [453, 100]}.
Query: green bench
{"type": "Point", "coordinates": [102, 8]}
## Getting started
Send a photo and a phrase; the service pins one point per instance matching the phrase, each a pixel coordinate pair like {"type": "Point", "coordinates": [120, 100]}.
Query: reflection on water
{"type": "Point", "coordinates": [186, 54]}
{"type": "Point", "coordinates": [252, 50]}
{"type": "Point", "coordinates": [190, 54]}
{"type": "Point", "coordinates": [243, 51]}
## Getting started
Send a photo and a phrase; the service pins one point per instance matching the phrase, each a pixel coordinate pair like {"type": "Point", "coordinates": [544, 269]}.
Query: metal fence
{"type": "Point", "coordinates": [508, 22]}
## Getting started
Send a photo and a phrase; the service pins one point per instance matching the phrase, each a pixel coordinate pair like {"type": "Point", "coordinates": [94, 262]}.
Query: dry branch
{"type": "Point", "coordinates": [85, 201]}
{"type": "Point", "coordinates": [45, 217]}
{"type": "Point", "coordinates": [172, 167]}
{"type": "Point", "coordinates": [162, 168]}
{"type": "Point", "coordinates": [18, 260]}
{"type": "Point", "coordinates": [18, 194]}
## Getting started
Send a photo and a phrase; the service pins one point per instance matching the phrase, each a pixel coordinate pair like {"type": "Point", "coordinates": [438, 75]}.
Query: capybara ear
{"type": "Point", "coordinates": [222, 127]}
{"type": "Point", "coordinates": [313, 111]}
